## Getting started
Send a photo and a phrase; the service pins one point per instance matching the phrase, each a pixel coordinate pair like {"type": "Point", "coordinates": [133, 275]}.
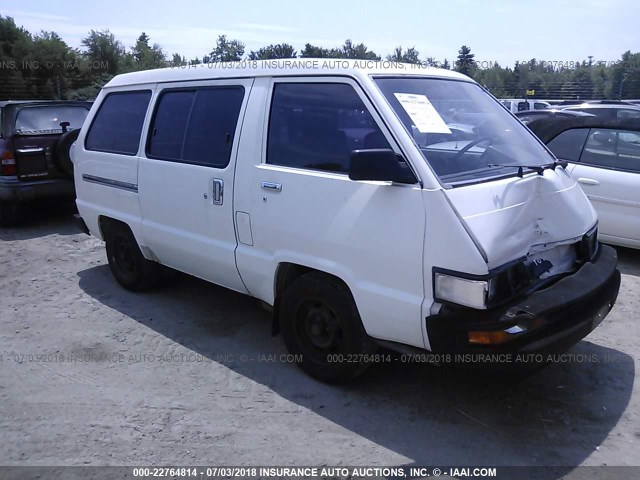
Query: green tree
{"type": "Point", "coordinates": [359, 51]}
{"type": "Point", "coordinates": [178, 60]}
{"type": "Point", "coordinates": [312, 51]}
{"type": "Point", "coordinates": [15, 42]}
{"type": "Point", "coordinates": [281, 50]}
{"type": "Point", "coordinates": [147, 56]}
{"type": "Point", "coordinates": [101, 47]}
{"type": "Point", "coordinates": [431, 62]}
{"type": "Point", "coordinates": [411, 55]}
{"type": "Point", "coordinates": [15, 46]}
{"type": "Point", "coordinates": [90, 91]}
{"type": "Point", "coordinates": [226, 51]}
{"type": "Point", "coordinates": [465, 63]}
{"type": "Point", "coordinates": [57, 65]}
{"type": "Point", "coordinates": [495, 79]}
{"type": "Point", "coordinates": [625, 77]}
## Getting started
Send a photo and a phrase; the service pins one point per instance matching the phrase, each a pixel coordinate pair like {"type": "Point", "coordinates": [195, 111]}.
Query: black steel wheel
{"type": "Point", "coordinates": [128, 265]}
{"type": "Point", "coordinates": [320, 323]}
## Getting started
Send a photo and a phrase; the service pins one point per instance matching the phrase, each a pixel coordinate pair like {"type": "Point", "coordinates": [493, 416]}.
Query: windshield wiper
{"type": "Point", "coordinates": [539, 169]}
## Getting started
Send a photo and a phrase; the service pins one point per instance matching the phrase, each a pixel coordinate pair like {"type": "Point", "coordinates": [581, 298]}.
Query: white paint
{"type": "Point", "coordinates": [381, 239]}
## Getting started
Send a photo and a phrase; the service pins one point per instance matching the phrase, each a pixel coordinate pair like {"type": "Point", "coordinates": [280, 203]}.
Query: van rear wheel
{"type": "Point", "coordinates": [128, 265]}
{"type": "Point", "coordinates": [319, 322]}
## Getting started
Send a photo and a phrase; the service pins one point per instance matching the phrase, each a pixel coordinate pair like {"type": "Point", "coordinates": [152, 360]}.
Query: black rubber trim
{"type": "Point", "coordinates": [108, 182]}
{"type": "Point", "coordinates": [560, 315]}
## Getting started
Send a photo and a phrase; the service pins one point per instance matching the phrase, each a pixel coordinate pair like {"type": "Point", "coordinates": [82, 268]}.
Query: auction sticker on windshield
{"type": "Point", "coordinates": [422, 113]}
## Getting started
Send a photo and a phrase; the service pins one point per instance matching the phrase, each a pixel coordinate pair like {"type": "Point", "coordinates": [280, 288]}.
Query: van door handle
{"type": "Point", "coordinates": [218, 191]}
{"type": "Point", "coordinates": [276, 187]}
{"type": "Point", "coordinates": [588, 181]}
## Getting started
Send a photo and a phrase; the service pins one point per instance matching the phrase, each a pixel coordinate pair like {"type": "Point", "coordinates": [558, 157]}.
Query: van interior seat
{"type": "Point", "coordinates": [325, 146]}
{"type": "Point", "coordinates": [375, 140]}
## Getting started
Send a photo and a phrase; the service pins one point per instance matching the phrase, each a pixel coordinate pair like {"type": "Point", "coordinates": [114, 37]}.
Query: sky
{"type": "Point", "coordinates": [502, 31]}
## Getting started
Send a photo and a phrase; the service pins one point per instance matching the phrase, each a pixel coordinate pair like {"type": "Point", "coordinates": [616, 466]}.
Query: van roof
{"type": "Point", "coordinates": [281, 67]}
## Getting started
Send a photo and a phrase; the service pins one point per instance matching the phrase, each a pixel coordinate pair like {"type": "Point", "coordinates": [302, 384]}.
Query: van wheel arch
{"type": "Point", "coordinates": [320, 322]}
{"type": "Point", "coordinates": [126, 261]}
{"type": "Point", "coordinates": [107, 224]}
{"type": "Point", "coordinates": [286, 274]}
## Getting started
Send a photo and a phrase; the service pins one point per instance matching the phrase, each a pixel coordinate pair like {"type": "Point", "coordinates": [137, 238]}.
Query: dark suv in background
{"type": "Point", "coordinates": [35, 141]}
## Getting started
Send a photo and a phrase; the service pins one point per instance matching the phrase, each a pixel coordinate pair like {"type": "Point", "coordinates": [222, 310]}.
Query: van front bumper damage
{"type": "Point", "coordinates": [547, 322]}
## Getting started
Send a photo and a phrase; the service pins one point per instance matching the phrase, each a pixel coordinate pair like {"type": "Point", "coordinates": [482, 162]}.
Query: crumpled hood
{"type": "Point", "coordinates": [511, 217]}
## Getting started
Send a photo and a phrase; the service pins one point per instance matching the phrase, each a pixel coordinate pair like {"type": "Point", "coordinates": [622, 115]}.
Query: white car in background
{"type": "Point", "coordinates": [520, 104]}
{"type": "Point", "coordinates": [604, 158]}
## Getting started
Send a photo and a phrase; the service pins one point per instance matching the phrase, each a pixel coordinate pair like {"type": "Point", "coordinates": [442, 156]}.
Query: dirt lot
{"type": "Point", "coordinates": [189, 374]}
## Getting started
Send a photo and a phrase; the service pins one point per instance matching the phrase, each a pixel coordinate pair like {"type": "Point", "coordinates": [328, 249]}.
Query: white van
{"type": "Point", "coordinates": [358, 202]}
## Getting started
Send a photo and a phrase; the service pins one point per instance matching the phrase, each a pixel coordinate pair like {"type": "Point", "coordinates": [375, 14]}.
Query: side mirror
{"type": "Point", "coordinates": [380, 164]}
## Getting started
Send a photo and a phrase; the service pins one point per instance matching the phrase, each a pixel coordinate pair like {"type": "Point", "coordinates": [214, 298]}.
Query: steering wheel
{"type": "Point", "coordinates": [470, 145]}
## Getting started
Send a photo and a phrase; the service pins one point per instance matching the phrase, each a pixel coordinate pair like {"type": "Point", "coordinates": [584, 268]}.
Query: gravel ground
{"type": "Point", "coordinates": [189, 374]}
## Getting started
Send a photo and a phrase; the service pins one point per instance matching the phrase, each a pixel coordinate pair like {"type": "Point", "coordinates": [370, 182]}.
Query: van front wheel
{"type": "Point", "coordinates": [128, 265]}
{"type": "Point", "coordinates": [320, 323]}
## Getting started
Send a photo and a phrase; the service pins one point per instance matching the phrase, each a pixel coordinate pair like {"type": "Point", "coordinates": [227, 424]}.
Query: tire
{"type": "Point", "coordinates": [127, 264]}
{"type": "Point", "coordinates": [9, 214]}
{"type": "Point", "coordinates": [319, 321]}
{"type": "Point", "coordinates": [63, 149]}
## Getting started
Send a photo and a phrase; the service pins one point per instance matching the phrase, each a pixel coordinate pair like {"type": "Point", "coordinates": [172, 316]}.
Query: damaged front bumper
{"type": "Point", "coordinates": [548, 321]}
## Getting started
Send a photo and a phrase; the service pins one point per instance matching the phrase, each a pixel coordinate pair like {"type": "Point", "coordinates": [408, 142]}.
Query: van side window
{"type": "Point", "coordinates": [170, 125]}
{"type": "Point", "coordinates": [196, 126]}
{"type": "Point", "coordinates": [318, 125]}
{"type": "Point", "coordinates": [117, 126]}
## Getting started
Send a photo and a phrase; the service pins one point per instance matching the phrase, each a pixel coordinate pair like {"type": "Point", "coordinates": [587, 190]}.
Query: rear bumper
{"type": "Point", "coordinates": [548, 322]}
{"type": "Point", "coordinates": [13, 190]}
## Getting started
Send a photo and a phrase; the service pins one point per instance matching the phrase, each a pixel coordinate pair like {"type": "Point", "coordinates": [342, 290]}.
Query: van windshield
{"type": "Point", "coordinates": [462, 132]}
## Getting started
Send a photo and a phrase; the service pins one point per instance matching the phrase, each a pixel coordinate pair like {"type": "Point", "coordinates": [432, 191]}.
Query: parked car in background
{"type": "Point", "coordinates": [35, 142]}
{"type": "Point", "coordinates": [558, 103]}
{"type": "Point", "coordinates": [529, 116]}
{"type": "Point", "coordinates": [604, 158]}
{"type": "Point", "coordinates": [605, 110]}
{"type": "Point", "coordinates": [520, 105]}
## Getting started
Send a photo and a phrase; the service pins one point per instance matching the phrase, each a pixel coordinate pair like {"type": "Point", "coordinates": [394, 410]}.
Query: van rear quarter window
{"type": "Point", "coordinates": [117, 126]}
{"type": "Point", "coordinates": [196, 126]}
{"type": "Point", "coordinates": [317, 126]}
